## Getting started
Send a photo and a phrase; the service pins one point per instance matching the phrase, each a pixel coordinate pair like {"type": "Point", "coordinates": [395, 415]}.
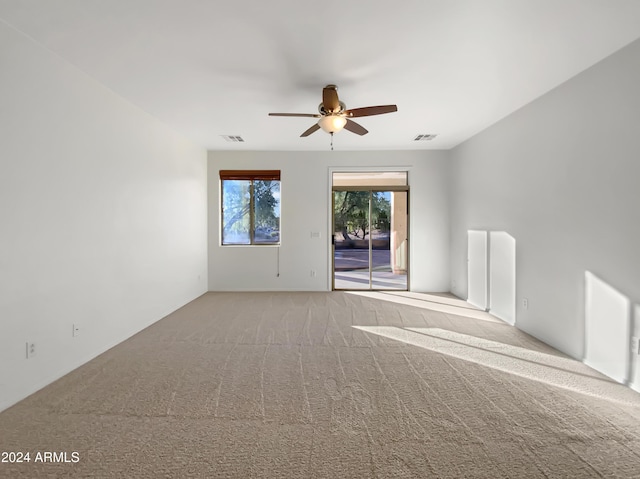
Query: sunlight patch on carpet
{"type": "Point", "coordinates": [549, 369]}
{"type": "Point", "coordinates": [440, 304]}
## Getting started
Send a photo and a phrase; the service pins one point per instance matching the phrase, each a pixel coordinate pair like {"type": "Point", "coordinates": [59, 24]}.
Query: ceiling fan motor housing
{"type": "Point", "coordinates": [324, 112]}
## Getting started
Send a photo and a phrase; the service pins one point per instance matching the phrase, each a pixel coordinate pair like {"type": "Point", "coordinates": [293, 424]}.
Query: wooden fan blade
{"type": "Point", "coordinates": [306, 115]}
{"type": "Point", "coordinates": [330, 98]}
{"type": "Point", "coordinates": [313, 129]}
{"type": "Point", "coordinates": [371, 110]}
{"type": "Point", "coordinates": [354, 127]}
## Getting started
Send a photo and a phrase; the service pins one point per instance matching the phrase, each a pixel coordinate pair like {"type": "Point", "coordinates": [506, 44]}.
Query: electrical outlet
{"type": "Point", "coordinates": [313, 273]}
{"type": "Point", "coordinates": [75, 331]}
{"type": "Point", "coordinates": [525, 303]}
{"type": "Point", "coordinates": [635, 345]}
{"type": "Point", "coordinates": [31, 350]}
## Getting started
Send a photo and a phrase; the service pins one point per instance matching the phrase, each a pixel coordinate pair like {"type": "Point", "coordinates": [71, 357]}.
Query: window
{"type": "Point", "coordinates": [250, 207]}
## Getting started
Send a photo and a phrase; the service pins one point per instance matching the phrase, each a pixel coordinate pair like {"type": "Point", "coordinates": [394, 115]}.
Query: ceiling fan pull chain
{"type": "Point", "coordinates": [331, 141]}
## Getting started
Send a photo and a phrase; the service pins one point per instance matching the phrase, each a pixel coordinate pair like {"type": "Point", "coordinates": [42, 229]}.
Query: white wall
{"type": "Point", "coordinates": [102, 218]}
{"type": "Point", "coordinates": [502, 276]}
{"type": "Point", "coordinates": [634, 370]}
{"type": "Point", "coordinates": [305, 208]}
{"type": "Point", "coordinates": [561, 176]}
{"type": "Point", "coordinates": [607, 328]}
{"type": "Point", "coordinates": [478, 268]}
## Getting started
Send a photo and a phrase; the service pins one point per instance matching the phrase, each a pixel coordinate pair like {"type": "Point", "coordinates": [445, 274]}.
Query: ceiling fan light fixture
{"type": "Point", "coordinates": [332, 123]}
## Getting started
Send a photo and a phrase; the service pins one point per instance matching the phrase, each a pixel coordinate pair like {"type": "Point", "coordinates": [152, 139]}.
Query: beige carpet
{"type": "Point", "coordinates": [283, 385]}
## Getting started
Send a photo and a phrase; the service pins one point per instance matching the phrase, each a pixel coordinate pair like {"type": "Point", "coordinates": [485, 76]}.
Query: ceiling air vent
{"type": "Point", "coordinates": [425, 137]}
{"type": "Point", "coordinates": [233, 138]}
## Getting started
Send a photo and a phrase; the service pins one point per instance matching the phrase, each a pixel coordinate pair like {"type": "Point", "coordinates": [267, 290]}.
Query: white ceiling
{"type": "Point", "coordinates": [216, 67]}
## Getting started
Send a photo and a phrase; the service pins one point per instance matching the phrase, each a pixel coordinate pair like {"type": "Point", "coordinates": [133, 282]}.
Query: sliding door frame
{"type": "Point", "coordinates": [361, 169]}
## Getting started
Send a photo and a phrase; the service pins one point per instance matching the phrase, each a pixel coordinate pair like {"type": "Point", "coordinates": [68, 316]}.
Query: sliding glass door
{"type": "Point", "coordinates": [351, 256]}
{"type": "Point", "coordinates": [370, 240]}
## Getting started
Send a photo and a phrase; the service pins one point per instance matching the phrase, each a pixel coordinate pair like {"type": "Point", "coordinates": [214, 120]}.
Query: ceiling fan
{"type": "Point", "coordinates": [334, 116]}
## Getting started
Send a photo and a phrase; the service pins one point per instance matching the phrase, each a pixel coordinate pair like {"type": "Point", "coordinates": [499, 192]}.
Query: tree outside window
{"type": "Point", "coordinates": [250, 207]}
{"type": "Point", "coordinates": [351, 213]}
